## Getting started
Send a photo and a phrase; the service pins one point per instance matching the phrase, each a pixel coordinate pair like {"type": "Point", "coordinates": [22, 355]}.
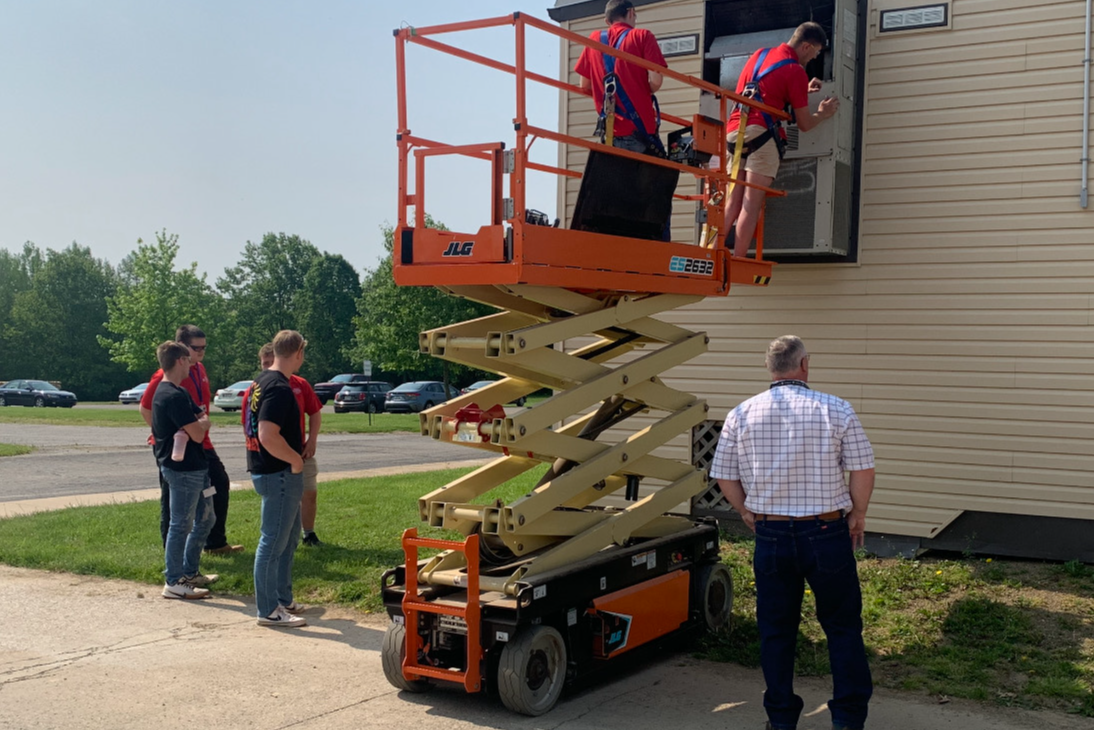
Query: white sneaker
{"type": "Point", "coordinates": [184, 590]}
{"type": "Point", "coordinates": [295, 607]}
{"type": "Point", "coordinates": [282, 619]}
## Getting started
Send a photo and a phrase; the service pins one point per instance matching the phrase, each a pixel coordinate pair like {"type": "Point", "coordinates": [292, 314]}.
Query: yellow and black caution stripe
{"type": "Point", "coordinates": [761, 280]}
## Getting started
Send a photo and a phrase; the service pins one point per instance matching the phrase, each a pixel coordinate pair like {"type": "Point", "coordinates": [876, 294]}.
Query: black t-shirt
{"type": "Point", "coordinates": [172, 408]}
{"type": "Point", "coordinates": [272, 400]}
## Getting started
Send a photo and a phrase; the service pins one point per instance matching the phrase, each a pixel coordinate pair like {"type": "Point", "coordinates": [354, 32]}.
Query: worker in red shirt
{"type": "Point", "coordinates": [197, 385]}
{"type": "Point", "coordinates": [308, 403]}
{"type": "Point", "coordinates": [635, 127]}
{"type": "Point", "coordinates": [776, 77]}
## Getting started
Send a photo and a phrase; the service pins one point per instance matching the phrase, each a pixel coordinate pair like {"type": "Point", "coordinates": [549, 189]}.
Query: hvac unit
{"type": "Point", "coordinates": [815, 216]}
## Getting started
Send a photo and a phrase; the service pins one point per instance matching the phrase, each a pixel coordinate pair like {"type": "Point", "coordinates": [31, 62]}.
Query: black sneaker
{"type": "Point", "coordinates": [310, 539]}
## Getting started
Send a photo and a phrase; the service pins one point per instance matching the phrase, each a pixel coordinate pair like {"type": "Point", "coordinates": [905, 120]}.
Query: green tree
{"type": "Point", "coordinates": [153, 300]}
{"type": "Point", "coordinates": [16, 272]}
{"type": "Point", "coordinates": [263, 294]}
{"type": "Point", "coordinates": [390, 317]}
{"type": "Point", "coordinates": [55, 324]}
{"type": "Point", "coordinates": [327, 303]}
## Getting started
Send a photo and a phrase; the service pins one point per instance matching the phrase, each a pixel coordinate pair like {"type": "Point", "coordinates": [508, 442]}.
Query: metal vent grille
{"type": "Point", "coordinates": [792, 137]}
{"type": "Point", "coordinates": [789, 221]}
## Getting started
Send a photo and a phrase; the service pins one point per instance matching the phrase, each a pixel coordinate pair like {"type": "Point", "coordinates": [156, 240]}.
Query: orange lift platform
{"type": "Point", "coordinates": [591, 564]}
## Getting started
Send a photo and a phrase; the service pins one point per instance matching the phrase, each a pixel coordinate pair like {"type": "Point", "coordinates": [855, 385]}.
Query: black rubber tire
{"type": "Point", "coordinates": [428, 406]}
{"type": "Point", "coordinates": [39, 402]}
{"type": "Point", "coordinates": [392, 651]}
{"type": "Point", "coordinates": [3, 401]}
{"type": "Point", "coordinates": [339, 410]}
{"type": "Point", "coordinates": [531, 670]}
{"type": "Point", "coordinates": [372, 408]}
{"type": "Point", "coordinates": [521, 402]}
{"type": "Point", "coordinates": [716, 596]}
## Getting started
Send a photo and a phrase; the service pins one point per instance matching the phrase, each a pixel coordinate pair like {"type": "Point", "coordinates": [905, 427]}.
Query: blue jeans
{"type": "Point", "coordinates": [820, 553]}
{"type": "Point", "coordinates": [278, 538]}
{"type": "Point", "coordinates": [191, 520]}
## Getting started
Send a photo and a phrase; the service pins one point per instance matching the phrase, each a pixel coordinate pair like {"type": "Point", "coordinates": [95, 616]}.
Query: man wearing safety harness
{"type": "Point", "coordinates": [623, 87]}
{"type": "Point", "coordinates": [775, 77]}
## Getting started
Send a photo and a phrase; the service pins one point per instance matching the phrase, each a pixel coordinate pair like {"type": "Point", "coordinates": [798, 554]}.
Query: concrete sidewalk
{"type": "Point", "coordinates": [81, 652]}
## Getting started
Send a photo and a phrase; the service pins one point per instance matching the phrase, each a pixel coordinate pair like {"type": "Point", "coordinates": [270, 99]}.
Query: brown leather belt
{"type": "Point", "coordinates": [826, 517]}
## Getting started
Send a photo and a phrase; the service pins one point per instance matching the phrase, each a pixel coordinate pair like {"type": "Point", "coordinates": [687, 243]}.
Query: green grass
{"type": "Point", "coordinates": [1005, 632]}
{"type": "Point", "coordinates": [359, 520]}
{"type": "Point", "coordinates": [1008, 632]}
{"type": "Point", "coordinates": [14, 449]}
{"type": "Point", "coordinates": [332, 423]}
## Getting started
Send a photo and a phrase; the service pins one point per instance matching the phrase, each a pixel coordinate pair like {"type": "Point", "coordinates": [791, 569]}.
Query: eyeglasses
{"type": "Point", "coordinates": [198, 348]}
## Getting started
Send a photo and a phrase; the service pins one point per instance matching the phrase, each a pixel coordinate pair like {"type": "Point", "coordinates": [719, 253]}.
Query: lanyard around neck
{"type": "Point", "coordinates": [779, 383]}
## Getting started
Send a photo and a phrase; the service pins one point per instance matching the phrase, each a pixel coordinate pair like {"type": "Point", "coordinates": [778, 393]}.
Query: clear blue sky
{"type": "Point", "coordinates": [223, 121]}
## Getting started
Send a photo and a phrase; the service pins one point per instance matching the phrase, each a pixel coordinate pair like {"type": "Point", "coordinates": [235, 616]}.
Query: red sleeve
{"type": "Point", "coordinates": [311, 400]}
{"type": "Point", "coordinates": [150, 391]}
{"type": "Point", "coordinates": [244, 407]}
{"type": "Point", "coordinates": [797, 86]}
{"type": "Point", "coordinates": [207, 396]}
{"type": "Point", "coordinates": [651, 51]}
{"type": "Point", "coordinates": [582, 68]}
{"type": "Point", "coordinates": [588, 57]}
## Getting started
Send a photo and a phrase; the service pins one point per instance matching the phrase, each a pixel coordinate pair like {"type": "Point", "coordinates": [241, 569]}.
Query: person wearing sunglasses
{"type": "Point", "coordinates": [197, 385]}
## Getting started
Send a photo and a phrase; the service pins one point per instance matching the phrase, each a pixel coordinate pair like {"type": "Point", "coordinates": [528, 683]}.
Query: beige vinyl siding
{"type": "Point", "coordinates": [963, 335]}
{"type": "Point", "coordinates": [579, 116]}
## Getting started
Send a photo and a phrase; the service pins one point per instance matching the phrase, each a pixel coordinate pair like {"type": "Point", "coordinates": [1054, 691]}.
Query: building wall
{"type": "Point", "coordinates": [963, 335]}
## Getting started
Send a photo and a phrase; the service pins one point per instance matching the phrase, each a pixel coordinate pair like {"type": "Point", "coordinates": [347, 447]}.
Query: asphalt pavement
{"type": "Point", "coordinates": [84, 460]}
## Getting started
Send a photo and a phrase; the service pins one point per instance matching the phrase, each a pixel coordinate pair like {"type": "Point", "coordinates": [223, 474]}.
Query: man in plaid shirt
{"type": "Point", "coordinates": [780, 462]}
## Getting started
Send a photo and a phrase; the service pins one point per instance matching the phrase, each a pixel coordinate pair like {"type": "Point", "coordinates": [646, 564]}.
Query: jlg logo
{"type": "Point", "coordinates": [459, 248]}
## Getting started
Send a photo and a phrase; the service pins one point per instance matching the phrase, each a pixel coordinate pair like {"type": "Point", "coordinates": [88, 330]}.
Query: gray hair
{"type": "Point", "coordinates": [785, 355]}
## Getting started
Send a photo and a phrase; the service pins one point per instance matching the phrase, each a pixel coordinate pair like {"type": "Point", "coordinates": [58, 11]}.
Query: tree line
{"type": "Point", "coordinates": [71, 317]}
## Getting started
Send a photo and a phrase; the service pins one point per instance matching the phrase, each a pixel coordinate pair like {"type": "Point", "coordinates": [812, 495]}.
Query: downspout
{"type": "Point", "coordinates": [1084, 159]}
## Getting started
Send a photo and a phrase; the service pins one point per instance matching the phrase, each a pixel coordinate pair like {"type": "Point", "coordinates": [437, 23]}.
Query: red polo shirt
{"type": "Point", "coordinates": [786, 86]}
{"type": "Point", "coordinates": [196, 383]}
{"type": "Point", "coordinates": [639, 42]}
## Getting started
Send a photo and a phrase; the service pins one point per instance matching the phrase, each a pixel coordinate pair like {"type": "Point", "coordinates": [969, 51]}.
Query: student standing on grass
{"type": "Point", "coordinates": [197, 385]}
{"type": "Point", "coordinates": [780, 462]}
{"type": "Point", "coordinates": [186, 475]}
{"type": "Point", "coordinates": [309, 404]}
{"type": "Point", "coordinates": [275, 447]}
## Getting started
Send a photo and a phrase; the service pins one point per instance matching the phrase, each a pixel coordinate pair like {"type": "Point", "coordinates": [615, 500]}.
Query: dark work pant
{"type": "Point", "coordinates": [635, 143]}
{"type": "Point", "coordinates": [787, 555]}
{"type": "Point", "coordinates": [218, 478]}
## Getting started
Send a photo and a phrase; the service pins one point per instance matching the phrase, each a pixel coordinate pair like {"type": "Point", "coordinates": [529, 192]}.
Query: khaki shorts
{"type": "Point", "coordinates": [764, 161]}
{"type": "Point", "coordinates": [311, 474]}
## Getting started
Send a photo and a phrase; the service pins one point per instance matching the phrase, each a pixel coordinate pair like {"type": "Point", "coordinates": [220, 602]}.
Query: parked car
{"type": "Point", "coordinates": [133, 395]}
{"type": "Point", "coordinates": [37, 393]}
{"type": "Point", "coordinates": [418, 396]}
{"type": "Point", "coordinates": [327, 391]}
{"type": "Point", "coordinates": [231, 398]}
{"type": "Point", "coordinates": [484, 383]}
{"type": "Point", "coordinates": [367, 396]}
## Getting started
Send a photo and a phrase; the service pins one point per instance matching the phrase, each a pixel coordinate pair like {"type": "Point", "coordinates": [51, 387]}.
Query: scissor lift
{"type": "Point", "coordinates": [556, 584]}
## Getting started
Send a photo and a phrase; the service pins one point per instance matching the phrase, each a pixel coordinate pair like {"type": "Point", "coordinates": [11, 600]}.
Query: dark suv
{"type": "Point", "coordinates": [368, 397]}
{"type": "Point", "coordinates": [326, 391]}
